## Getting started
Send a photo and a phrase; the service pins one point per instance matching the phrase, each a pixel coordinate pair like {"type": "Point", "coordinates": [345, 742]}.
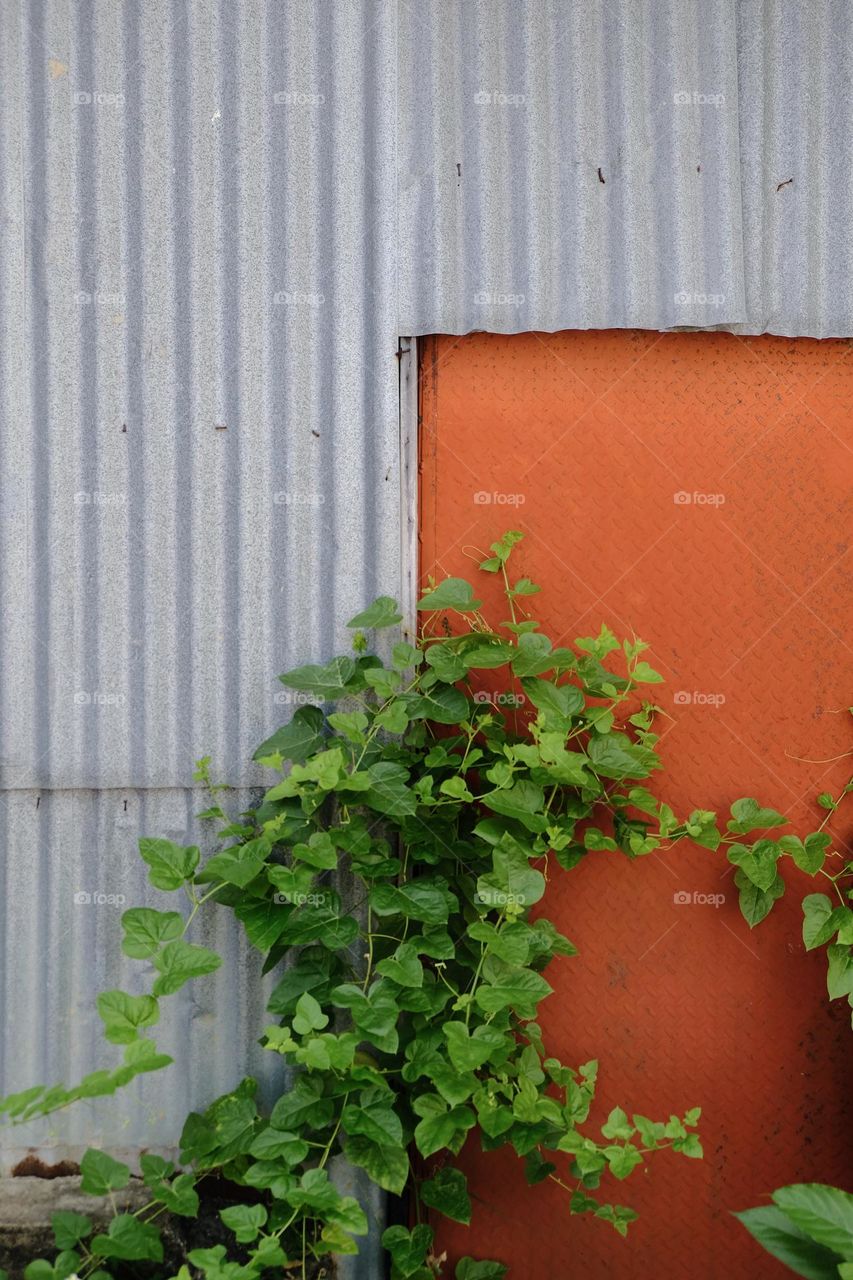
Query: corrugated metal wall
{"type": "Point", "coordinates": [200, 474]}
{"type": "Point", "coordinates": [71, 869]}
{"type": "Point", "coordinates": [795, 115]}
{"type": "Point", "coordinates": [549, 179]}
{"type": "Point", "coordinates": [200, 480]}
{"type": "Point", "coordinates": [217, 219]}
{"type": "Point", "coordinates": [582, 164]}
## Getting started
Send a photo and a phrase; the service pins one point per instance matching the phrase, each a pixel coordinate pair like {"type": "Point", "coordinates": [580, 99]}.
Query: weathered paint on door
{"type": "Point", "coordinates": [694, 488]}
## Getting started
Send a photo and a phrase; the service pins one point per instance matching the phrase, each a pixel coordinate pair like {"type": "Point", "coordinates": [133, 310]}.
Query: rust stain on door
{"type": "Point", "coordinates": [693, 489]}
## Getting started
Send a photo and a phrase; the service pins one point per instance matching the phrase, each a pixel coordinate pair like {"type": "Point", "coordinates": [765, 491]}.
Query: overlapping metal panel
{"type": "Point", "coordinates": [200, 482]}
{"type": "Point", "coordinates": [70, 868]}
{"type": "Point", "coordinates": [199, 387]}
{"type": "Point", "coordinates": [569, 165]}
{"type": "Point", "coordinates": [581, 164]}
{"type": "Point", "coordinates": [795, 74]}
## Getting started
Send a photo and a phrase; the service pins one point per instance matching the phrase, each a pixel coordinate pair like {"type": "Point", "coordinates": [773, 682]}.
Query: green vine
{"type": "Point", "coordinates": [809, 1225]}
{"type": "Point", "coordinates": [452, 780]}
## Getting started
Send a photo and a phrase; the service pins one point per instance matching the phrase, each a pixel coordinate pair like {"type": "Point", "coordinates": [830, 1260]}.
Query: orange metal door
{"type": "Point", "coordinates": [693, 488]}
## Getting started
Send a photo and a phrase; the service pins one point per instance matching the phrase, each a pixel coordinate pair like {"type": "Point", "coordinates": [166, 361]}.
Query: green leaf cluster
{"type": "Point", "coordinates": [446, 785]}
{"type": "Point", "coordinates": [809, 1227]}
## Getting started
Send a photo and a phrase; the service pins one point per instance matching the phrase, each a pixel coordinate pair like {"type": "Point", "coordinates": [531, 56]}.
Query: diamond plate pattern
{"type": "Point", "coordinates": [584, 440]}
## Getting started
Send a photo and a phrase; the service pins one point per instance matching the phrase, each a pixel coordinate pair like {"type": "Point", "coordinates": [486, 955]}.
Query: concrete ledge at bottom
{"type": "Point", "coordinates": [26, 1205]}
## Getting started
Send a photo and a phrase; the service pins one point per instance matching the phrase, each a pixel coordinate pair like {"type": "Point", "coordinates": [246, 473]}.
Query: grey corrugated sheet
{"type": "Point", "coordinates": [576, 164]}
{"type": "Point", "coordinates": [199, 373]}
{"type": "Point", "coordinates": [200, 481]}
{"type": "Point", "coordinates": [70, 868]}
{"type": "Point", "coordinates": [549, 179]}
{"type": "Point", "coordinates": [62, 848]}
{"type": "Point", "coordinates": [795, 66]}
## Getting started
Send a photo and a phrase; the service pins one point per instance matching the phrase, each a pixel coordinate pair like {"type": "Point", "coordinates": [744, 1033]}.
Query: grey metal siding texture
{"type": "Point", "coordinates": [217, 217]}
{"type": "Point", "coordinates": [795, 73]}
{"type": "Point", "coordinates": [70, 869]}
{"type": "Point", "coordinates": [578, 164]}
{"type": "Point", "coordinates": [549, 177]}
{"type": "Point", "coordinates": [200, 480]}
{"type": "Point", "coordinates": [201, 457]}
